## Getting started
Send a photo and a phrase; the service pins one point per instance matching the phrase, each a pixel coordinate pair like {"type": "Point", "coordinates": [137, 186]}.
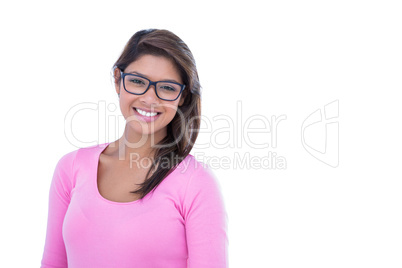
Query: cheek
{"type": "Point", "coordinates": [170, 113]}
{"type": "Point", "coordinates": [125, 106]}
{"type": "Point", "coordinates": [172, 109]}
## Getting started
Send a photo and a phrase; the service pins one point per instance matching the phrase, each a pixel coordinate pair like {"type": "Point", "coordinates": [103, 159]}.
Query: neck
{"type": "Point", "coordinates": [134, 145]}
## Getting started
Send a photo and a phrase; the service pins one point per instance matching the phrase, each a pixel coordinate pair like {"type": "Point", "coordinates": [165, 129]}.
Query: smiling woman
{"type": "Point", "coordinates": [142, 200]}
{"type": "Point", "coordinates": [137, 100]}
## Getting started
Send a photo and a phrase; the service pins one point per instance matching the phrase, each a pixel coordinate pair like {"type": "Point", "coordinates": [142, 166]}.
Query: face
{"type": "Point", "coordinates": [155, 68]}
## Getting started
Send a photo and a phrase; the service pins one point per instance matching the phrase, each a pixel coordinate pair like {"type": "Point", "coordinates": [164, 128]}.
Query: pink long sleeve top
{"type": "Point", "coordinates": [183, 223]}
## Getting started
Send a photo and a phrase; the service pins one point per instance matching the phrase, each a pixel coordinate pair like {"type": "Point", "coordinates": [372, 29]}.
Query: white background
{"type": "Point", "coordinates": [277, 58]}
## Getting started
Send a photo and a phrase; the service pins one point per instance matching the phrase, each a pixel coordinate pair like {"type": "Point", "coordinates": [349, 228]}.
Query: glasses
{"type": "Point", "coordinates": [138, 85]}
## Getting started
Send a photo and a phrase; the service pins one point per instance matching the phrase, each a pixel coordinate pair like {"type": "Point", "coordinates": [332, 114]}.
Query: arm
{"type": "Point", "coordinates": [54, 255]}
{"type": "Point", "coordinates": [206, 222]}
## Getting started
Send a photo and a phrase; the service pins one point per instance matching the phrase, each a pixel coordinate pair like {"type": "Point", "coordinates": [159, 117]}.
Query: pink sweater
{"type": "Point", "coordinates": [182, 224]}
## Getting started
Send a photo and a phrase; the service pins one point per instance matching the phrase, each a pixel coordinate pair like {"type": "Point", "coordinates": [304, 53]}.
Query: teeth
{"type": "Point", "coordinates": [145, 113]}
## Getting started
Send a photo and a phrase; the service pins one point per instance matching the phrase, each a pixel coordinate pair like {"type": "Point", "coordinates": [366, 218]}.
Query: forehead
{"type": "Point", "coordinates": [155, 68]}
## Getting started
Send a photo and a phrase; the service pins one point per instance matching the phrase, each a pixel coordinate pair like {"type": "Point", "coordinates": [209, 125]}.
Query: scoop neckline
{"type": "Point", "coordinates": [97, 158]}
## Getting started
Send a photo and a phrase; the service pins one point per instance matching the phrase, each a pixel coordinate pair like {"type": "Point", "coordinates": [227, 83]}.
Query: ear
{"type": "Point", "coordinates": [117, 78]}
{"type": "Point", "coordinates": [182, 97]}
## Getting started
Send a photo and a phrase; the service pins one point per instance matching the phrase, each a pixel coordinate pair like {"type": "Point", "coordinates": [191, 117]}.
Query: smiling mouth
{"type": "Point", "coordinates": [145, 113]}
{"type": "Point", "coordinates": [146, 116]}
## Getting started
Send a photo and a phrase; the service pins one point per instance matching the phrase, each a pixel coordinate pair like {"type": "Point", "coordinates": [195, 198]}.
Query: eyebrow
{"type": "Point", "coordinates": [167, 80]}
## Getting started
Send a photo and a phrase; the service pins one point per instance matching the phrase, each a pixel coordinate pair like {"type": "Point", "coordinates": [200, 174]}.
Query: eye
{"type": "Point", "coordinates": [137, 81]}
{"type": "Point", "coordinates": [168, 88]}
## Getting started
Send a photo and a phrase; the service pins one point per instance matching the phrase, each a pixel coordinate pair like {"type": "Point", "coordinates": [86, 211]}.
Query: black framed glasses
{"type": "Point", "coordinates": [138, 85]}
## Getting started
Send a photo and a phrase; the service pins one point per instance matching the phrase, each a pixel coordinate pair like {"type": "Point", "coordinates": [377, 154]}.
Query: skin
{"type": "Point", "coordinates": [138, 135]}
{"type": "Point", "coordinates": [116, 173]}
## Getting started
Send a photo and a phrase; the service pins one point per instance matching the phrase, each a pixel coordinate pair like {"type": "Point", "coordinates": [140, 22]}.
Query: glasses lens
{"type": "Point", "coordinates": [135, 84]}
{"type": "Point", "coordinates": [168, 91]}
{"type": "Point", "coordinates": [165, 90]}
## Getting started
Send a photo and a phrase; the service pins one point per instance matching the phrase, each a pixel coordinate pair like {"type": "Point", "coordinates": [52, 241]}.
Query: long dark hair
{"type": "Point", "coordinates": [183, 130]}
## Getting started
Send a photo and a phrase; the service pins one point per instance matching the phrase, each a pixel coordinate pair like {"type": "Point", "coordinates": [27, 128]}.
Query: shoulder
{"type": "Point", "coordinates": [69, 159]}
{"type": "Point", "coordinates": [93, 150]}
{"type": "Point", "coordinates": [191, 173]}
{"type": "Point", "coordinates": [198, 175]}
{"type": "Point", "coordinates": [191, 167]}
{"type": "Point", "coordinates": [66, 161]}
{"type": "Point", "coordinates": [64, 175]}
{"type": "Point", "coordinates": [202, 191]}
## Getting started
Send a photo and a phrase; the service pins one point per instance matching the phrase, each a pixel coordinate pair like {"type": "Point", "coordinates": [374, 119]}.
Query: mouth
{"type": "Point", "coordinates": [146, 116]}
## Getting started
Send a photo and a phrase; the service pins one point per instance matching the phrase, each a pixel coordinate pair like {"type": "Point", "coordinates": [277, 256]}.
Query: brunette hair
{"type": "Point", "coordinates": [183, 130]}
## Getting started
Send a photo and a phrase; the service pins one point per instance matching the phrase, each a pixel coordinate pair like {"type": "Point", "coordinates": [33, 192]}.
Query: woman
{"type": "Point", "coordinates": [142, 200]}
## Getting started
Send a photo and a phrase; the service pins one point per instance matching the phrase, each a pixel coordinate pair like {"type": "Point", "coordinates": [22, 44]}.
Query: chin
{"type": "Point", "coordinates": [147, 129]}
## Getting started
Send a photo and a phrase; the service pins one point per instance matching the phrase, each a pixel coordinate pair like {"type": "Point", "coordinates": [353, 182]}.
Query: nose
{"type": "Point", "coordinates": [149, 97]}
